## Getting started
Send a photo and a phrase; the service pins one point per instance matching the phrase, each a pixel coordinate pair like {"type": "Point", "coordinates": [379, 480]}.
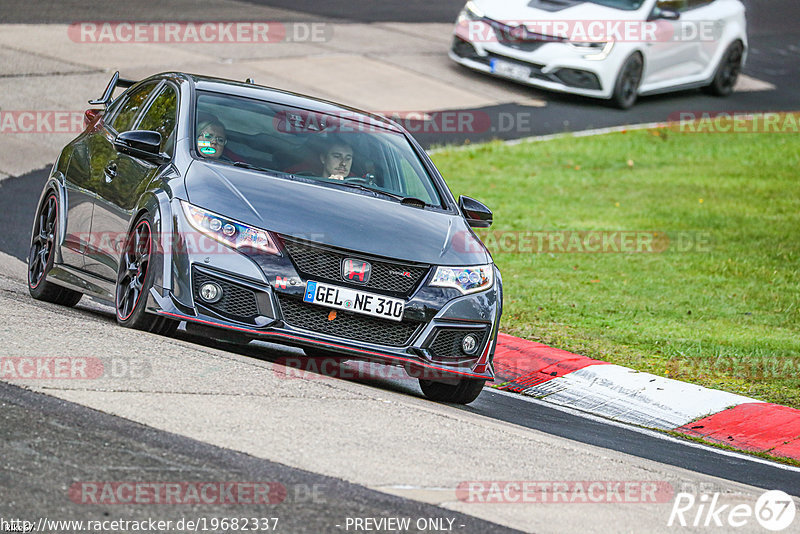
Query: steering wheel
{"type": "Point", "coordinates": [358, 180]}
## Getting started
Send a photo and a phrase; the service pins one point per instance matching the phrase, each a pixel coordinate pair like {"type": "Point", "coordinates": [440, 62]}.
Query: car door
{"type": "Point", "coordinates": [672, 55]}
{"type": "Point", "coordinates": [103, 249]}
{"type": "Point", "coordinates": [89, 151]}
{"type": "Point", "coordinates": [79, 204]}
{"type": "Point", "coordinates": [702, 21]}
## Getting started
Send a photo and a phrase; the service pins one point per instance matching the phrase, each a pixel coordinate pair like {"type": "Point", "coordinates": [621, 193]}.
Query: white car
{"type": "Point", "coordinates": [609, 49]}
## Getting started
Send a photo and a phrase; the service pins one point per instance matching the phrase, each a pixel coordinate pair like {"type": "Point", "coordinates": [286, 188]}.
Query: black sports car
{"type": "Point", "coordinates": [273, 216]}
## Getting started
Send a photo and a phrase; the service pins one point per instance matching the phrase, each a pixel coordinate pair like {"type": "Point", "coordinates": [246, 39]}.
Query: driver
{"type": "Point", "coordinates": [336, 160]}
{"type": "Point", "coordinates": [211, 139]}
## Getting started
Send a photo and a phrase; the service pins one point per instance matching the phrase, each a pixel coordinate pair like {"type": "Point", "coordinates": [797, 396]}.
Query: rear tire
{"type": "Point", "coordinates": [626, 88]}
{"type": "Point", "coordinates": [459, 391]}
{"type": "Point", "coordinates": [135, 279]}
{"type": "Point", "coordinates": [42, 255]}
{"type": "Point", "coordinates": [727, 72]}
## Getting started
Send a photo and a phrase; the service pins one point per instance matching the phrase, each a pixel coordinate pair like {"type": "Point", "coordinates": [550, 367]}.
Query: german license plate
{"type": "Point", "coordinates": [344, 298]}
{"type": "Point", "coordinates": [510, 70]}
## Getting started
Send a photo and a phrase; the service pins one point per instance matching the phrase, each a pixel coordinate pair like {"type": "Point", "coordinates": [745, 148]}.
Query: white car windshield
{"type": "Point", "coordinates": [625, 5]}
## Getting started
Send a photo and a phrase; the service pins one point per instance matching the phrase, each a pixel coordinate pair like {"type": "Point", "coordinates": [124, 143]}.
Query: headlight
{"type": "Point", "coordinates": [470, 12]}
{"type": "Point", "coordinates": [227, 231]}
{"type": "Point", "coordinates": [593, 51]}
{"type": "Point", "coordinates": [465, 279]}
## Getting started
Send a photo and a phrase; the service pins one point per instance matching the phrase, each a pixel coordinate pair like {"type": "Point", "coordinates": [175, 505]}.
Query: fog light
{"type": "Point", "coordinates": [469, 344]}
{"type": "Point", "coordinates": [210, 292]}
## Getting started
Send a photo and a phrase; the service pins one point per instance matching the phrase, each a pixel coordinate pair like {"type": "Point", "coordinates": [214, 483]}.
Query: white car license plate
{"type": "Point", "coordinates": [510, 70]}
{"type": "Point", "coordinates": [344, 298]}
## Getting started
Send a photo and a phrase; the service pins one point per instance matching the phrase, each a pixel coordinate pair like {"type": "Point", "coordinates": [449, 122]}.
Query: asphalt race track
{"type": "Point", "coordinates": [341, 449]}
{"type": "Point", "coordinates": [81, 443]}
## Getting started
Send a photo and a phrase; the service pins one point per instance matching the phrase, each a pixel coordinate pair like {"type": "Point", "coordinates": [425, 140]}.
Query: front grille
{"type": "Point", "coordinates": [346, 325]}
{"type": "Point", "coordinates": [446, 344]}
{"type": "Point", "coordinates": [526, 42]}
{"type": "Point", "coordinates": [324, 264]}
{"type": "Point", "coordinates": [237, 302]}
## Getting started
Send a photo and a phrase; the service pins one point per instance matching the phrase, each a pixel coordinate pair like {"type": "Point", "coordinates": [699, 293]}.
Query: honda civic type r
{"type": "Point", "coordinates": [609, 49]}
{"type": "Point", "coordinates": [253, 212]}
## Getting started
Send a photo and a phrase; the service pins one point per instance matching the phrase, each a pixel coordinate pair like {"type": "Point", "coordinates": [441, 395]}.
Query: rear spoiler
{"type": "Point", "coordinates": [115, 82]}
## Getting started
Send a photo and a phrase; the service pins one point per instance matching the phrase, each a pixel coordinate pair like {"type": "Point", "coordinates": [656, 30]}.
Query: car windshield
{"type": "Point", "coordinates": [334, 150]}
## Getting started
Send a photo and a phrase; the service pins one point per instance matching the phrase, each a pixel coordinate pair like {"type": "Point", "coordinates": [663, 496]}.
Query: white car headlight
{"type": "Point", "coordinates": [593, 51]}
{"type": "Point", "coordinates": [465, 279]}
{"type": "Point", "coordinates": [227, 231]}
{"type": "Point", "coordinates": [470, 12]}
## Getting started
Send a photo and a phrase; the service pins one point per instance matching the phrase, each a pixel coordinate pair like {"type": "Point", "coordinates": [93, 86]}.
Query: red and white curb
{"type": "Point", "coordinates": [643, 399]}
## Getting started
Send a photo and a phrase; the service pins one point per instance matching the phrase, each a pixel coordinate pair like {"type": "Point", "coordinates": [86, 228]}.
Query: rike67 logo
{"type": "Point", "coordinates": [774, 511]}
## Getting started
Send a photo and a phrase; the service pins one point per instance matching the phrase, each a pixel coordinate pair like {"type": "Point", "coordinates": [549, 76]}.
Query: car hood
{"type": "Point", "coordinates": [333, 216]}
{"type": "Point", "coordinates": [553, 10]}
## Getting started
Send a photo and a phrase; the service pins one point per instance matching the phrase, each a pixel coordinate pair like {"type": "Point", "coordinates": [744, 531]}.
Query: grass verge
{"type": "Point", "coordinates": [713, 300]}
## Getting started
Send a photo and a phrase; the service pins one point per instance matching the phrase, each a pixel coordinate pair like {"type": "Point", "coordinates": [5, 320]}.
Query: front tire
{"type": "Point", "coordinates": [135, 279]}
{"type": "Point", "coordinates": [727, 72]}
{"type": "Point", "coordinates": [42, 255]}
{"type": "Point", "coordinates": [459, 391]}
{"type": "Point", "coordinates": [626, 88]}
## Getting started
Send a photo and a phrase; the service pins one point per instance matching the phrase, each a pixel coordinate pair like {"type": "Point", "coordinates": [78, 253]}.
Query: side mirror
{"type": "Point", "coordinates": [144, 144]}
{"type": "Point", "coordinates": [669, 14]}
{"type": "Point", "coordinates": [664, 13]}
{"type": "Point", "coordinates": [477, 214]}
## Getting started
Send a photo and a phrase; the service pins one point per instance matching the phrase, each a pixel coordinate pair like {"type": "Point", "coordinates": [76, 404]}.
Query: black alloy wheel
{"type": "Point", "coordinates": [135, 279]}
{"type": "Point", "coordinates": [626, 89]}
{"type": "Point", "coordinates": [42, 255]}
{"type": "Point", "coordinates": [728, 70]}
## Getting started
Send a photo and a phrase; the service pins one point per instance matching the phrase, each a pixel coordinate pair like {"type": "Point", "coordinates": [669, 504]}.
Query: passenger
{"type": "Point", "coordinates": [211, 139]}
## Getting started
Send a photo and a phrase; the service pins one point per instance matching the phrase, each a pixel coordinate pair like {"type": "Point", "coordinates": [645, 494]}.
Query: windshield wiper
{"type": "Point", "coordinates": [251, 166]}
{"type": "Point", "coordinates": [410, 201]}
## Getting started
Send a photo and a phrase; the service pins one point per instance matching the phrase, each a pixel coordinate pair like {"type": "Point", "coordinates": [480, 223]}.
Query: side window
{"type": "Point", "coordinates": [130, 108]}
{"type": "Point", "coordinates": [161, 117]}
{"type": "Point", "coordinates": [413, 185]}
{"type": "Point", "coordinates": [691, 4]}
{"type": "Point", "coordinates": [674, 5]}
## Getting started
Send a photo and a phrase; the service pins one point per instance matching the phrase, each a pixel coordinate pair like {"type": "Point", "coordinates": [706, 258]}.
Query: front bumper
{"type": "Point", "coordinates": [264, 301]}
{"type": "Point", "coordinates": [555, 66]}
